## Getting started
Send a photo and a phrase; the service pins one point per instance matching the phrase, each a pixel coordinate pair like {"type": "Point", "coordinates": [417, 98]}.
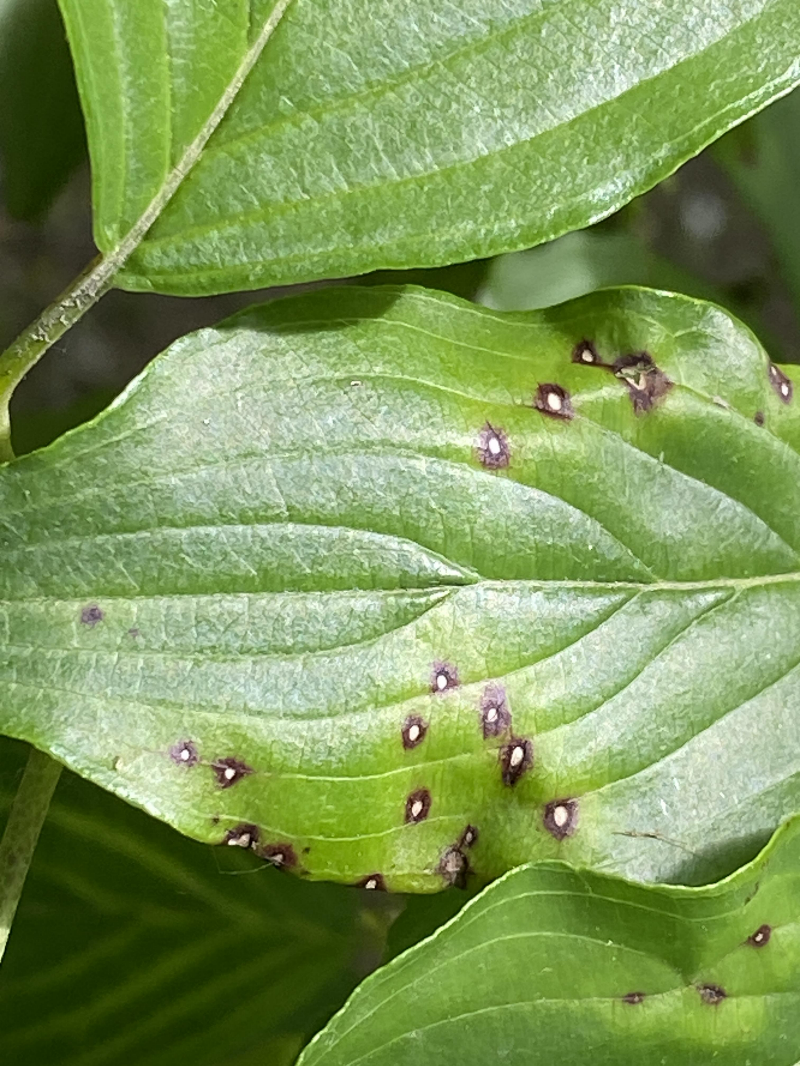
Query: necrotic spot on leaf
{"type": "Point", "coordinates": [758, 418]}
{"type": "Point", "coordinates": [414, 730]}
{"type": "Point", "coordinates": [561, 817]}
{"type": "Point", "coordinates": [633, 998]}
{"type": "Point", "coordinates": [780, 383]}
{"type": "Point", "coordinates": [516, 758]}
{"type": "Point", "coordinates": [444, 676]}
{"type": "Point", "coordinates": [242, 836]}
{"type": "Point", "coordinates": [281, 855]}
{"type": "Point", "coordinates": [468, 838]}
{"type": "Point", "coordinates": [647, 384]}
{"type": "Point", "coordinates": [184, 753]}
{"type": "Point", "coordinates": [586, 354]}
{"type": "Point", "coordinates": [760, 937]}
{"type": "Point", "coordinates": [229, 770]}
{"type": "Point", "coordinates": [712, 994]}
{"type": "Point", "coordinates": [373, 883]}
{"type": "Point", "coordinates": [554, 401]}
{"type": "Point", "coordinates": [91, 615]}
{"type": "Point", "coordinates": [493, 448]}
{"type": "Point", "coordinates": [495, 712]}
{"type": "Point", "coordinates": [418, 805]}
{"type": "Point", "coordinates": [454, 867]}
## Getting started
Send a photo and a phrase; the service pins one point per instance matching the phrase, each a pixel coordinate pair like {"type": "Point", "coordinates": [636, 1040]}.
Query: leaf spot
{"type": "Point", "coordinates": [781, 383]}
{"type": "Point", "coordinates": [561, 817]}
{"type": "Point", "coordinates": [242, 836]}
{"type": "Point", "coordinates": [493, 449]}
{"type": "Point", "coordinates": [468, 838]}
{"type": "Point", "coordinates": [495, 712]}
{"type": "Point", "coordinates": [418, 806]}
{"type": "Point", "coordinates": [280, 855]}
{"type": "Point", "coordinates": [444, 677]}
{"type": "Point", "coordinates": [414, 731]}
{"type": "Point", "coordinates": [91, 615]}
{"type": "Point", "coordinates": [373, 883]}
{"type": "Point", "coordinates": [760, 937]}
{"type": "Point", "coordinates": [712, 994]}
{"type": "Point", "coordinates": [554, 401]}
{"type": "Point", "coordinates": [184, 753]}
{"type": "Point", "coordinates": [758, 418]}
{"type": "Point", "coordinates": [586, 354]}
{"type": "Point", "coordinates": [516, 758]}
{"type": "Point", "coordinates": [229, 770]}
{"type": "Point", "coordinates": [454, 867]}
{"type": "Point", "coordinates": [633, 998]}
{"type": "Point", "coordinates": [647, 384]}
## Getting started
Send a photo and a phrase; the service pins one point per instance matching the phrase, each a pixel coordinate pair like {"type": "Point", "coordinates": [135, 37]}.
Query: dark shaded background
{"type": "Point", "coordinates": [723, 227]}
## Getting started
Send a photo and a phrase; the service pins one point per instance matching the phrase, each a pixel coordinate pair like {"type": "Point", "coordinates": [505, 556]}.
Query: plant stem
{"type": "Point", "coordinates": [53, 323]}
{"type": "Point", "coordinates": [25, 821]}
{"type": "Point", "coordinates": [98, 278]}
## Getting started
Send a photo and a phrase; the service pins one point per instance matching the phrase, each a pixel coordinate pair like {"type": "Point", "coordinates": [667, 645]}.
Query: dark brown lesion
{"type": "Point", "coordinates": [242, 836]}
{"type": "Point", "coordinates": [516, 758]}
{"type": "Point", "coordinates": [761, 937]}
{"type": "Point", "coordinates": [495, 711]}
{"type": "Point", "coordinates": [91, 615]}
{"type": "Point", "coordinates": [229, 771]}
{"type": "Point", "coordinates": [554, 401]}
{"type": "Point", "coordinates": [414, 731]}
{"type": "Point", "coordinates": [282, 856]}
{"type": "Point", "coordinates": [444, 676]}
{"type": "Point", "coordinates": [712, 994]}
{"type": "Point", "coordinates": [783, 385]}
{"type": "Point", "coordinates": [373, 883]}
{"type": "Point", "coordinates": [418, 806]}
{"type": "Point", "coordinates": [493, 448]}
{"type": "Point", "coordinates": [634, 998]}
{"type": "Point", "coordinates": [561, 818]}
{"type": "Point", "coordinates": [585, 353]}
{"type": "Point", "coordinates": [647, 384]}
{"type": "Point", "coordinates": [469, 838]}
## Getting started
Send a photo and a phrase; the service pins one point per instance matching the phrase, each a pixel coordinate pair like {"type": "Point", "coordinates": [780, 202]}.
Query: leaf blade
{"type": "Point", "coordinates": [578, 965]}
{"type": "Point", "coordinates": [416, 135]}
{"type": "Point", "coordinates": [270, 543]}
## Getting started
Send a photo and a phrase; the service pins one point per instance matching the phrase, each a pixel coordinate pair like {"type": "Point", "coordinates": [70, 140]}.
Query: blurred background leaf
{"type": "Point", "coordinates": [134, 945]}
{"type": "Point", "coordinates": [42, 136]}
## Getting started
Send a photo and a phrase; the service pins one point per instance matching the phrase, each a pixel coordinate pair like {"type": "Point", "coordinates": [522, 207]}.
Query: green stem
{"type": "Point", "coordinates": [25, 821]}
{"type": "Point", "coordinates": [52, 324]}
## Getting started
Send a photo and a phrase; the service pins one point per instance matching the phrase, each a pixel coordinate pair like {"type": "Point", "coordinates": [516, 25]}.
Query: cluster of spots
{"type": "Point", "coordinates": [91, 615]}
{"type": "Point", "coordinates": [413, 731]}
{"type": "Point", "coordinates": [184, 753]}
{"type": "Point", "coordinates": [760, 937]}
{"type": "Point", "coordinates": [248, 836]}
{"type": "Point", "coordinates": [712, 994]}
{"type": "Point", "coordinates": [554, 401]}
{"type": "Point", "coordinates": [444, 676]}
{"type": "Point", "coordinates": [372, 883]}
{"type": "Point", "coordinates": [494, 451]}
{"type": "Point", "coordinates": [495, 712]}
{"type": "Point", "coordinates": [230, 770]}
{"type": "Point", "coordinates": [561, 818]}
{"type": "Point", "coordinates": [646, 382]}
{"type": "Point", "coordinates": [516, 758]}
{"type": "Point", "coordinates": [781, 383]}
{"type": "Point", "coordinates": [418, 806]}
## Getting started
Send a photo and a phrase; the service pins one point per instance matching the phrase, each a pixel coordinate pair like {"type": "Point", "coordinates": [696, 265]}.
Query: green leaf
{"type": "Point", "coordinates": [133, 945]}
{"type": "Point", "coordinates": [41, 129]}
{"type": "Point", "coordinates": [552, 964]}
{"type": "Point", "coordinates": [269, 543]}
{"type": "Point", "coordinates": [371, 133]}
